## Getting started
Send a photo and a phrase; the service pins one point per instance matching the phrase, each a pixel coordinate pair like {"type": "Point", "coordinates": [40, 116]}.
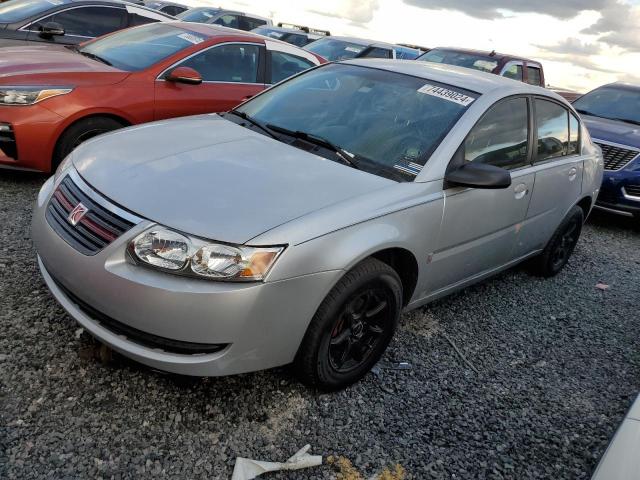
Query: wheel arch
{"type": "Point", "coordinates": [586, 203]}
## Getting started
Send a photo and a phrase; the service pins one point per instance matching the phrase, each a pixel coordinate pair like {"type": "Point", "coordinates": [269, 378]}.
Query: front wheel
{"type": "Point", "coordinates": [352, 328]}
{"type": "Point", "coordinates": [561, 246]}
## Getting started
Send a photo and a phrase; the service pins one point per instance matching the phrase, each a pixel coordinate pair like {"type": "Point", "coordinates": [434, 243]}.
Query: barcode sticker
{"type": "Point", "coordinates": [446, 94]}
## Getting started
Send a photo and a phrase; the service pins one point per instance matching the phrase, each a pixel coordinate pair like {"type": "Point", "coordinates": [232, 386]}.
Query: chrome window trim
{"type": "Point", "coordinates": [619, 145]}
{"type": "Point", "coordinates": [199, 52]}
{"type": "Point", "coordinates": [26, 27]}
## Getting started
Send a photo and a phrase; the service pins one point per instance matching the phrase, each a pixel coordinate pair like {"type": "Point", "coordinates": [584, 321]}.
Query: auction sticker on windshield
{"type": "Point", "coordinates": [446, 94]}
{"type": "Point", "coordinates": [191, 38]}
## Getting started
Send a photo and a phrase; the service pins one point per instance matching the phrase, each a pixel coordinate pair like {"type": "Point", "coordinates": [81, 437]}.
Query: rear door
{"type": "Point", "coordinates": [558, 167]}
{"type": "Point", "coordinates": [80, 24]}
{"type": "Point", "coordinates": [231, 73]}
{"type": "Point", "coordinates": [480, 227]}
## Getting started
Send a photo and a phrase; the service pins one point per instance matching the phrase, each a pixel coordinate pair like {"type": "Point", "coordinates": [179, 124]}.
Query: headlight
{"type": "Point", "coordinates": [176, 253]}
{"type": "Point", "coordinates": [65, 165]}
{"type": "Point", "coordinates": [29, 95]}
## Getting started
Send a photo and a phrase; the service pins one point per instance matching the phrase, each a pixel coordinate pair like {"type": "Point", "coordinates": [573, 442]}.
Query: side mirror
{"type": "Point", "coordinates": [478, 175]}
{"type": "Point", "coordinates": [184, 75]}
{"type": "Point", "coordinates": [51, 29]}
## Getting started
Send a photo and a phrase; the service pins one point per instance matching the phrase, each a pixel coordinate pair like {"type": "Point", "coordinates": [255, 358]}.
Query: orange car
{"type": "Point", "coordinates": [54, 98]}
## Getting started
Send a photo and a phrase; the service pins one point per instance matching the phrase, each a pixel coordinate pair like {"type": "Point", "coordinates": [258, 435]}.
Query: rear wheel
{"type": "Point", "coordinates": [561, 246]}
{"type": "Point", "coordinates": [80, 132]}
{"type": "Point", "coordinates": [352, 328]}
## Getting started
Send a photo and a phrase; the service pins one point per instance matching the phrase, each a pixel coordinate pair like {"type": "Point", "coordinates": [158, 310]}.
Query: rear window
{"type": "Point", "coordinates": [483, 63]}
{"type": "Point", "coordinates": [139, 48]}
{"type": "Point", "coordinates": [199, 15]}
{"type": "Point", "coordinates": [17, 10]}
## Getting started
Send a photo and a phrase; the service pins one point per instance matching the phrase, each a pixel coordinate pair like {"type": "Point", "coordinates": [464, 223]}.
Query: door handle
{"type": "Point", "coordinates": [520, 190]}
{"type": "Point", "coordinates": [573, 173]}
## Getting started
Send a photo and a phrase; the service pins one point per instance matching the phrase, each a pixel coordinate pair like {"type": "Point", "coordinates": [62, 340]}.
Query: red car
{"type": "Point", "coordinates": [54, 98]}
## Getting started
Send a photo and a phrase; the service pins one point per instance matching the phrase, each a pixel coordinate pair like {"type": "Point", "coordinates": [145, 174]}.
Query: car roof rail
{"type": "Point", "coordinates": [304, 29]}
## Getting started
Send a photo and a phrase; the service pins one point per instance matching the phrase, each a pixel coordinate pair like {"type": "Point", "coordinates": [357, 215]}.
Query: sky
{"type": "Point", "coordinates": [581, 43]}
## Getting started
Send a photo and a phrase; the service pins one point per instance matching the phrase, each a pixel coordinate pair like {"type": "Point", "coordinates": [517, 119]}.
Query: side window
{"type": "Point", "coordinates": [378, 53]}
{"type": "Point", "coordinates": [297, 40]}
{"type": "Point", "coordinates": [574, 135]}
{"type": "Point", "coordinates": [249, 23]}
{"type": "Point", "coordinates": [227, 63]}
{"type": "Point", "coordinates": [514, 72]}
{"type": "Point", "coordinates": [230, 21]}
{"type": "Point", "coordinates": [283, 65]}
{"type": "Point", "coordinates": [553, 130]}
{"type": "Point", "coordinates": [501, 137]}
{"type": "Point", "coordinates": [534, 77]}
{"type": "Point", "coordinates": [88, 22]}
{"type": "Point", "coordinates": [172, 10]}
{"type": "Point", "coordinates": [135, 20]}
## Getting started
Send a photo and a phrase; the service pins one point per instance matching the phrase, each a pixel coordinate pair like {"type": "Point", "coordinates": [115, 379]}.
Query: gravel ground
{"type": "Point", "coordinates": [558, 365]}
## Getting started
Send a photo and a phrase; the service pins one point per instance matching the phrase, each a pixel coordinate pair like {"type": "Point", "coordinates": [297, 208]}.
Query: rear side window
{"type": "Point", "coordinates": [514, 72]}
{"type": "Point", "coordinates": [574, 135]}
{"type": "Point", "coordinates": [88, 22]}
{"type": "Point", "coordinates": [136, 20]}
{"type": "Point", "coordinates": [534, 77]}
{"type": "Point", "coordinates": [501, 137]}
{"type": "Point", "coordinates": [553, 130]}
{"type": "Point", "coordinates": [227, 63]}
{"type": "Point", "coordinates": [249, 23]}
{"type": "Point", "coordinates": [284, 65]}
{"type": "Point", "coordinates": [230, 21]}
{"type": "Point", "coordinates": [378, 53]}
{"type": "Point", "coordinates": [172, 10]}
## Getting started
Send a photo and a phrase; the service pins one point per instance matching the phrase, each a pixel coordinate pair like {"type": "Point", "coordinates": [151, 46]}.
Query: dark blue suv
{"type": "Point", "coordinates": [612, 115]}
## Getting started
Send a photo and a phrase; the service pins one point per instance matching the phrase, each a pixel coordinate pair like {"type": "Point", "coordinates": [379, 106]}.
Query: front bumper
{"type": "Point", "coordinates": [257, 325]}
{"type": "Point", "coordinates": [615, 194]}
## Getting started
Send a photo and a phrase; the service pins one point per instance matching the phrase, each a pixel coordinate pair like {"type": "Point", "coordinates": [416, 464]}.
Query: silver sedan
{"type": "Point", "coordinates": [296, 228]}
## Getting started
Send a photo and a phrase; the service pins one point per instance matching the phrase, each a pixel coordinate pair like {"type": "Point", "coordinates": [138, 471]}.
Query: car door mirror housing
{"type": "Point", "coordinates": [478, 175]}
{"type": "Point", "coordinates": [184, 75]}
{"type": "Point", "coordinates": [51, 29]}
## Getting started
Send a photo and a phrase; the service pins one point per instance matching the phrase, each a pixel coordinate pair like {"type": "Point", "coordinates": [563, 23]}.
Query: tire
{"type": "Point", "coordinates": [359, 316]}
{"type": "Point", "coordinates": [79, 132]}
{"type": "Point", "coordinates": [562, 244]}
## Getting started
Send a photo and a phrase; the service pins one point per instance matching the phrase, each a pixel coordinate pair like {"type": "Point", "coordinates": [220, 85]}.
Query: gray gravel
{"type": "Point", "coordinates": [558, 363]}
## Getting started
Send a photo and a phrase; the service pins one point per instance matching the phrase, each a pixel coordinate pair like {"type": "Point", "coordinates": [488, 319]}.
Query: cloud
{"type": "Point", "coordinates": [572, 46]}
{"type": "Point", "coordinates": [491, 9]}
{"type": "Point", "coordinates": [358, 12]}
{"type": "Point", "coordinates": [619, 26]}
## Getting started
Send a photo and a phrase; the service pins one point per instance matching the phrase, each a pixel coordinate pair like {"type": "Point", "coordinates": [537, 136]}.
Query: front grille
{"type": "Point", "coordinates": [138, 336]}
{"type": "Point", "coordinates": [616, 157]}
{"type": "Point", "coordinates": [93, 231]}
{"type": "Point", "coordinates": [8, 141]}
{"type": "Point", "coordinates": [633, 190]}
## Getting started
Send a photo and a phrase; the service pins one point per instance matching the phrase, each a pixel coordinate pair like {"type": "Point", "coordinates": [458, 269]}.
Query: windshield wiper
{"type": "Point", "coordinates": [627, 120]}
{"type": "Point", "coordinates": [586, 112]}
{"type": "Point", "coordinates": [345, 156]}
{"type": "Point", "coordinates": [93, 56]}
{"type": "Point", "coordinates": [252, 121]}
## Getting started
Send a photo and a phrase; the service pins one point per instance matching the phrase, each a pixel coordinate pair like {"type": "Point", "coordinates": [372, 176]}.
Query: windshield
{"type": "Point", "coordinates": [199, 15]}
{"type": "Point", "coordinates": [484, 63]}
{"type": "Point", "coordinates": [335, 50]}
{"type": "Point", "coordinates": [391, 123]}
{"type": "Point", "coordinates": [139, 48]}
{"type": "Point", "coordinates": [615, 102]}
{"type": "Point", "coordinates": [17, 10]}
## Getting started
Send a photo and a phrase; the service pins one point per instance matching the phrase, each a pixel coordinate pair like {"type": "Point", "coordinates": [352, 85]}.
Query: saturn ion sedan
{"type": "Point", "coordinates": [53, 98]}
{"type": "Point", "coordinates": [296, 228]}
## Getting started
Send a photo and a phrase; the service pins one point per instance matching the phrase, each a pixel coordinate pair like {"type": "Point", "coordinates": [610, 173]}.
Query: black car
{"type": "Point", "coordinates": [169, 8]}
{"type": "Point", "coordinates": [68, 22]}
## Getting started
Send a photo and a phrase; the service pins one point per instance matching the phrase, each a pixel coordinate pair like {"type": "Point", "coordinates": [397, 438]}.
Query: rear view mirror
{"type": "Point", "coordinates": [184, 75]}
{"type": "Point", "coordinates": [51, 29]}
{"type": "Point", "coordinates": [478, 175]}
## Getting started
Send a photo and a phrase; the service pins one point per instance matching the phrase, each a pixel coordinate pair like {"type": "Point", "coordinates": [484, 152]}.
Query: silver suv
{"type": "Point", "coordinates": [296, 228]}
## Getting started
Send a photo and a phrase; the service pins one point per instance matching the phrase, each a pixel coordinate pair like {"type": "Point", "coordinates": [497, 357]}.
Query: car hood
{"type": "Point", "coordinates": [55, 64]}
{"type": "Point", "coordinates": [613, 131]}
{"type": "Point", "coordinates": [212, 178]}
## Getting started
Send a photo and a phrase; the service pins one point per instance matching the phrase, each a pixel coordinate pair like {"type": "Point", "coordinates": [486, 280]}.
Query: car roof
{"type": "Point", "coordinates": [211, 30]}
{"type": "Point", "coordinates": [462, 77]}
{"type": "Point", "coordinates": [363, 41]}
{"type": "Point", "coordinates": [497, 55]}
{"type": "Point", "coordinates": [285, 30]}
{"type": "Point", "coordinates": [625, 85]}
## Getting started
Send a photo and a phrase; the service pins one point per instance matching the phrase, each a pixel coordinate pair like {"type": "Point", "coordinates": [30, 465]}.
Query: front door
{"type": "Point", "coordinates": [480, 227]}
{"type": "Point", "coordinates": [231, 73]}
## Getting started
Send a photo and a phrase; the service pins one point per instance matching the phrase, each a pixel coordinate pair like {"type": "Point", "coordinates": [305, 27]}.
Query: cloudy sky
{"type": "Point", "coordinates": [582, 43]}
